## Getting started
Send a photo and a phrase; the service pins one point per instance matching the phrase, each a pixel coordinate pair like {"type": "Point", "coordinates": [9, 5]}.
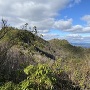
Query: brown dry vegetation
{"type": "Point", "coordinates": [69, 65]}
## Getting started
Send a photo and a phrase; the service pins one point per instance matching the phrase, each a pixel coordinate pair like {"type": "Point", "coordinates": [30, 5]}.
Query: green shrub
{"type": "Point", "coordinates": [40, 76]}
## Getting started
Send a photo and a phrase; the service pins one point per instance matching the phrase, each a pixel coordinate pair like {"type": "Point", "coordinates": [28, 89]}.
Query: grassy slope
{"type": "Point", "coordinates": [19, 48]}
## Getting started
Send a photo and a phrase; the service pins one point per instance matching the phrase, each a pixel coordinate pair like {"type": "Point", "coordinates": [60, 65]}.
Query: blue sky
{"type": "Point", "coordinates": [76, 12]}
{"type": "Point", "coordinates": [62, 19]}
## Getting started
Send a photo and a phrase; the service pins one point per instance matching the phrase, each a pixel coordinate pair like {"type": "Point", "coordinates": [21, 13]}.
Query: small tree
{"type": "Point", "coordinates": [35, 30]}
{"type": "Point", "coordinates": [26, 24]}
{"type": "Point", "coordinates": [24, 27]}
{"type": "Point", "coordinates": [4, 23]}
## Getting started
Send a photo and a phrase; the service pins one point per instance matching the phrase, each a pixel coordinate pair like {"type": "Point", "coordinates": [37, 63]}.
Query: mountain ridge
{"type": "Point", "coordinates": [21, 48]}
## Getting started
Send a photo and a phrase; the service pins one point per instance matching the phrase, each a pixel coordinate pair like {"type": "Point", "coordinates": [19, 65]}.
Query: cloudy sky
{"type": "Point", "coordinates": [63, 19]}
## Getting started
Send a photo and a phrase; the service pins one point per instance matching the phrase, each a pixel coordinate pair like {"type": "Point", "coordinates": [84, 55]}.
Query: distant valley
{"type": "Point", "coordinates": [85, 45]}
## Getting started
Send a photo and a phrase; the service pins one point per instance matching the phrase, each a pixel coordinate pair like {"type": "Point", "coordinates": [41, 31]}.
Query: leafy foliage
{"type": "Point", "coordinates": [39, 77]}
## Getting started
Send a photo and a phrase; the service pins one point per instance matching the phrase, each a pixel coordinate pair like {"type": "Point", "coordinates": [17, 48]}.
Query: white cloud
{"type": "Point", "coordinates": [63, 24]}
{"type": "Point", "coordinates": [74, 35]}
{"type": "Point", "coordinates": [32, 9]}
{"type": "Point", "coordinates": [38, 13]}
{"type": "Point", "coordinates": [87, 19]}
{"type": "Point", "coordinates": [75, 28]}
{"type": "Point", "coordinates": [67, 26]}
{"type": "Point", "coordinates": [43, 31]}
{"type": "Point", "coordinates": [50, 36]}
{"type": "Point", "coordinates": [35, 12]}
{"type": "Point", "coordinates": [79, 29]}
{"type": "Point", "coordinates": [77, 38]}
{"type": "Point", "coordinates": [41, 13]}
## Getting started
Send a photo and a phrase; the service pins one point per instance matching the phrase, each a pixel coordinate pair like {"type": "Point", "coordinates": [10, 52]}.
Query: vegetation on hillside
{"type": "Point", "coordinates": [27, 62]}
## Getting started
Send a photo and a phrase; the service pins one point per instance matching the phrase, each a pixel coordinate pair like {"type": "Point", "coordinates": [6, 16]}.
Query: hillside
{"type": "Point", "coordinates": [21, 48]}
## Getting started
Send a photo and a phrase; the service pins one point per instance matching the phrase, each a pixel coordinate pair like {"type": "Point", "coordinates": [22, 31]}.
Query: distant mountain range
{"type": "Point", "coordinates": [85, 45]}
